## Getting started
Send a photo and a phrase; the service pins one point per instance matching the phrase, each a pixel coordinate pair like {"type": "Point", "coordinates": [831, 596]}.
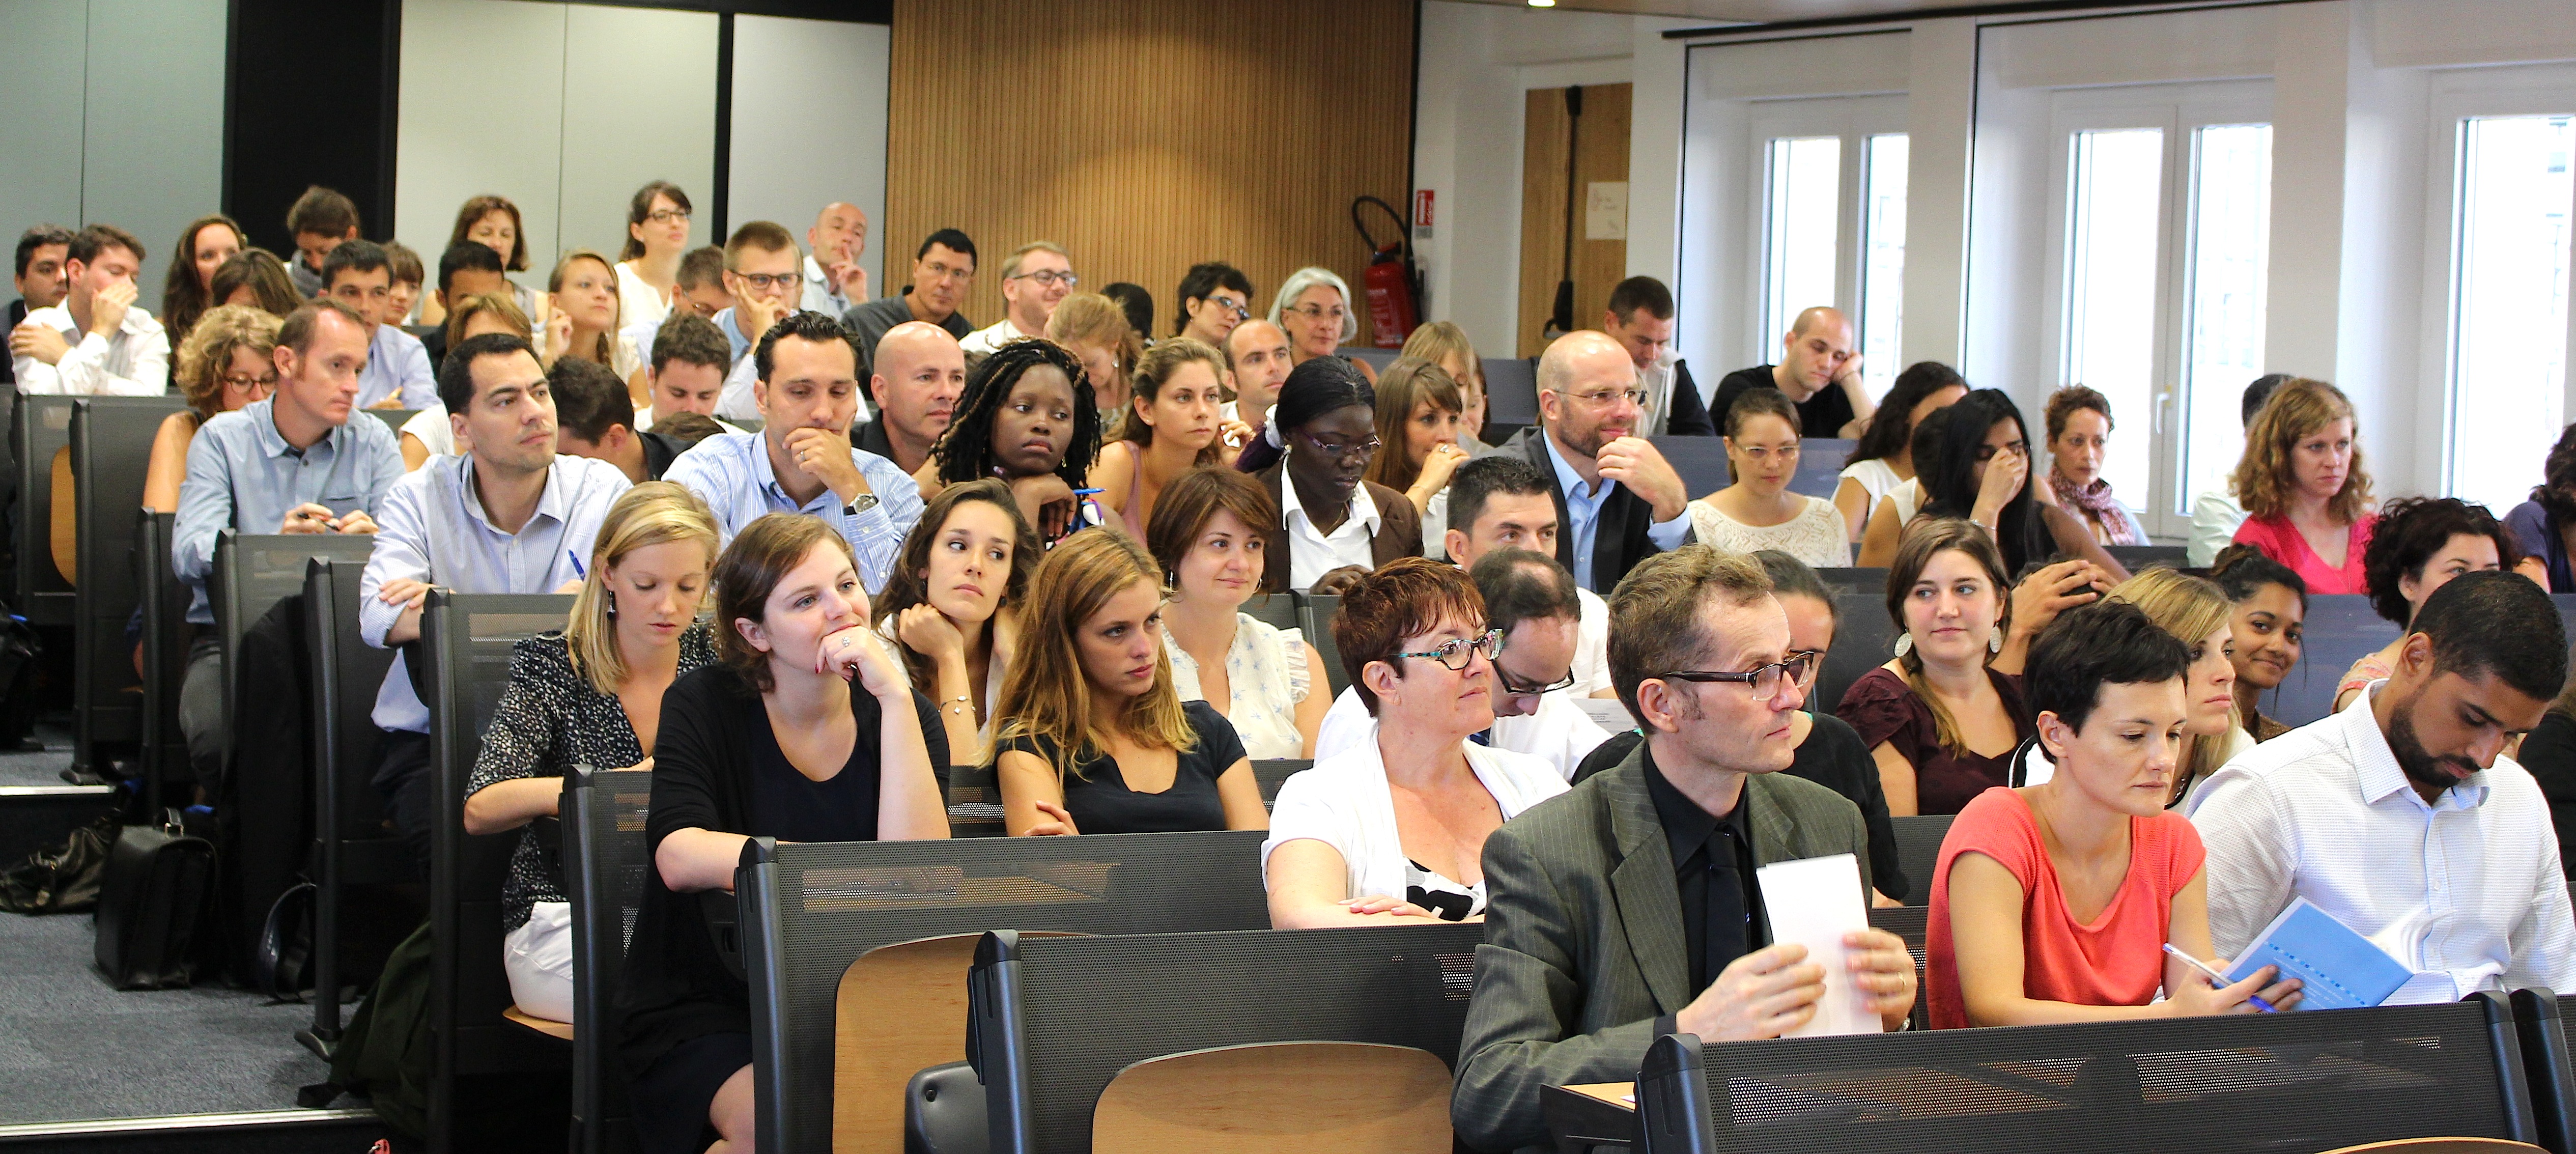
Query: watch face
{"type": "Point", "coordinates": [865, 502]}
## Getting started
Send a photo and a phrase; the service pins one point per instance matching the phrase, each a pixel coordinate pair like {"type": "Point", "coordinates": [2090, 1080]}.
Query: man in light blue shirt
{"type": "Point", "coordinates": [506, 516]}
{"type": "Point", "coordinates": [292, 462]}
{"type": "Point", "coordinates": [358, 274]}
{"type": "Point", "coordinates": [1618, 499]}
{"type": "Point", "coordinates": [802, 461]}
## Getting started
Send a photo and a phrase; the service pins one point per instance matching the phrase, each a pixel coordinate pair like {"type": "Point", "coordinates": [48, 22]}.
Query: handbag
{"type": "Point", "coordinates": [152, 900]}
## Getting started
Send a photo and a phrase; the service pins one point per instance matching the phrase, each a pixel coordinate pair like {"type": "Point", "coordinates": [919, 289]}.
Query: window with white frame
{"type": "Point", "coordinates": [2507, 362]}
{"type": "Point", "coordinates": [1831, 223]}
{"type": "Point", "coordinates": [2163, 206]}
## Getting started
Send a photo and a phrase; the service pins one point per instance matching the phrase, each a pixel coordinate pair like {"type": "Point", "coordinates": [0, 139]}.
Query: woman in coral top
{"type": "Point", "coordinates": [2052, 903]}
{"type": "Point", "coordinates": [2306, 496]}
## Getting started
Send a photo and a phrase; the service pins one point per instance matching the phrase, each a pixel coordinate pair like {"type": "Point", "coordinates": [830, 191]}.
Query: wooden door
{"type": "Point", "coordinates": [1600, 217]}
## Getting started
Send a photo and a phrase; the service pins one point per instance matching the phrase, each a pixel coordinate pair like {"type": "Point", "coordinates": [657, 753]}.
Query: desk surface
{"type": "Point", "coordinates": [1593, 1114]}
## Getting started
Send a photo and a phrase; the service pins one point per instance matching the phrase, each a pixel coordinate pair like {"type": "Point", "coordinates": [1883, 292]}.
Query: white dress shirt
{"type": "Point", "coordinates": [2215, 517]}
{"type": "Point", "coordinates": [134, 363]}
{"type": "Point", "coordinates": [397, 366]}
{"type": "Point", "coordinates": [1559, 733]}
{"type": "Point", "coordinates": [992, 336]}
{"type": "Point", "coordinates": [431, 527]}
{"type": "Point", "coordinates": [1312, 554]}
{"type": "Point", "coordinates": [821, 295]}
{"type": "Point", "coordinates": [2465, 891]}
{"type": "Point", "coordinates": [732, 474]}
{"type": "Point", "coordinates": [1591, 645]}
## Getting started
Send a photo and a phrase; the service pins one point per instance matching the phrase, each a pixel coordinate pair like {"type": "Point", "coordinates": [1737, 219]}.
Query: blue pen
{"type": "Point", "coordinates": [2218, 979]}
{"type": "Point", "coordinates": [577, 570]}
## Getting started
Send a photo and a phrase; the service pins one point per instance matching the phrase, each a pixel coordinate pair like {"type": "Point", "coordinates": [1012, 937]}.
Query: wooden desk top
{"type": "Point", "coordinates": [1593, 1114]}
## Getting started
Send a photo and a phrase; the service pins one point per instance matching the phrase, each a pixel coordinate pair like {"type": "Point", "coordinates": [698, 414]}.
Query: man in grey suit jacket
{"type": "Point", "coordinates": [1591, 948]}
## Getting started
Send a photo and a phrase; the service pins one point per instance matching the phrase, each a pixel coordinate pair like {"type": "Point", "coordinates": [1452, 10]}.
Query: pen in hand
{"type": "Point", "coordinates": [2219, 979]}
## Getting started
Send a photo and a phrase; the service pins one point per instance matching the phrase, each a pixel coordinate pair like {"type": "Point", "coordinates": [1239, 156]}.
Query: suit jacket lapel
{"type": "Point", "coordinates": [1775, 829]}
{"type": "Point", "coordinates": [1534, 447]}
{"type": "Point", "coordinates": [1650, 902]}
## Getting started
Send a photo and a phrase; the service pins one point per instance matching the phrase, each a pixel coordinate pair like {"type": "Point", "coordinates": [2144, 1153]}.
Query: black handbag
{"type": "Point", "coordinates": [151, 903]}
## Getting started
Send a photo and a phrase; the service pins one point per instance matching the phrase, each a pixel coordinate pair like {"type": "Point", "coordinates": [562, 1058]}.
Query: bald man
{"type": "Point", "coordinates": [1819, 369]}
{"type": "Point", "coordinates": [919, 375]}
{"type": "Point", "coordinates": [833, 279]}
{"type": "Point", "coordinates": [1617, 500]}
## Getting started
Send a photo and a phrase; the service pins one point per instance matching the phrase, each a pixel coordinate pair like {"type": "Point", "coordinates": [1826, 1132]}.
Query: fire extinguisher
{"type": "Point", "coordinates": [1393, 284]}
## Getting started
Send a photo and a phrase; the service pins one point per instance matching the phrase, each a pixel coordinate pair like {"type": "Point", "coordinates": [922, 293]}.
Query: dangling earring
{"type": "Point", "coordinates": [1904, 644]}
{"type": "Point", "coordinates": [612, 604]}
{"type": "Point", "coordinates": [1995, 640]}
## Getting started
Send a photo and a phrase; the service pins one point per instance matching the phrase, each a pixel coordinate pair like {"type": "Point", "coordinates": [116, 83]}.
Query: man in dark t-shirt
{"type": "Point", "coordinates": [1819, 369]}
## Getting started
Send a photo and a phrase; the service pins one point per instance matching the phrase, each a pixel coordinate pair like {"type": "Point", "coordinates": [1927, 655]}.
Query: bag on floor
{"type": "Point", "coordinates": [151, 904]}
{"type": "Point", "coordinates": [282, 968]}
{"type": "Point", "coordinates": [60, 879]}
{"type": "Point", "coordinates": [383, 1054]}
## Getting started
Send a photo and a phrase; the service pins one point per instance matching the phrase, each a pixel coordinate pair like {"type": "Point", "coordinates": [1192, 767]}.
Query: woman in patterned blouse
{"type": "Point", "coordinates": [589, 695]}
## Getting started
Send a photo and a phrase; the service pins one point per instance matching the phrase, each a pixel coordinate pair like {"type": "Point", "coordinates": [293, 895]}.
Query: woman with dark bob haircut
{"type": "Point", "coordinates": [803, 730]}
{"type": "Point", "coordinates": [2418, 545]}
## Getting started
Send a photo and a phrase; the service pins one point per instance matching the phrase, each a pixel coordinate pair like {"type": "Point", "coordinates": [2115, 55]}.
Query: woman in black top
{"type": "Point", "coordinates": [1094, 739]}
{"type": "Point", "coordinates": [588, 695]}
{"type": "Point", "coordinates": [804, 731]}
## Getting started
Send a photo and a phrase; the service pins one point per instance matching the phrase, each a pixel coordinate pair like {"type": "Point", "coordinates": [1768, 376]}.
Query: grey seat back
{"type": "Point", "coordinates": [43, 427]}
{"type": "Point", "coordinates": [604, 858]}
{"type": "Point", "coordinates": [111, 438]}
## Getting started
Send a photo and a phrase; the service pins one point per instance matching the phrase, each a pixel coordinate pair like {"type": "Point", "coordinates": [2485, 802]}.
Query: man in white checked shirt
{"type": "Point", "coordinates": [2402, 817]}
{"type": "Point", "coordinates": [802, 461]}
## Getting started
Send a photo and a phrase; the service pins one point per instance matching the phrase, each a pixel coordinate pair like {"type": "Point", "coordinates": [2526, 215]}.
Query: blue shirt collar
{"type": "Point", "coordinates": [1568, 481]}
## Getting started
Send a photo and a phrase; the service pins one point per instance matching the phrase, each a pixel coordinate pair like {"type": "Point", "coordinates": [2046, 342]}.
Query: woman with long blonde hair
{"type": "Point", "coordinates": [2305, 492]}
{"type": "Point", "coordinates": [589, 694]}
{"type": "Point", "coordinates": [1097, 331]}
{"type": "Point", "coordinates": [583, 321]}
{"type": "Point", "coordinates": [1094, 738]}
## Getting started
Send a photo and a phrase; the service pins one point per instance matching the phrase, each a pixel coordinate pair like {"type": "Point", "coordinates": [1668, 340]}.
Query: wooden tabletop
{"type": "Point", "coordinates": [1592, 1114]}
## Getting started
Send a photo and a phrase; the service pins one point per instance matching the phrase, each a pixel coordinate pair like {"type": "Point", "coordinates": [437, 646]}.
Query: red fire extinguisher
{"type": "Point", "coordinates": [1393, 285]}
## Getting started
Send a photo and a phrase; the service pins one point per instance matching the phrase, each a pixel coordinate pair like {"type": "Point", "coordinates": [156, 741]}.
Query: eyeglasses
{"type": "Point", "coordinates": [1365, 448]}
{"type": "Point", "coordinates": [1604, 398]}
{"type": "Point", "coordinates": [667, 215]}
{"type": "Point", "coordinates": [1766, 680]}
{"type": "Point", "coordinates": [1047, 278]}
{"type": "Point", "coordinates": [940, 271]}
{"type": "Point", "coordinates": [1233, 308]}
{"type": "Point", "coordinates": [1510, 689]}
{"type": "Point", "coordinates": [767, 282]}
{"type": "Point", "coordinates": [1335, 314]}
{"type": "Point", "coordinates": [1454, 654]}
{"type": "Point", "coordinates": [266, 380]}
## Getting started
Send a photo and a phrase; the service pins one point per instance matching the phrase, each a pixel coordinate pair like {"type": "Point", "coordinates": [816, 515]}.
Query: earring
{"type": "Point", "coordinates": [1995, 640]}
{"type": "Point", "coordinates": [612, 604]}
{"type": "Point", "coordinates": [1904, 644]}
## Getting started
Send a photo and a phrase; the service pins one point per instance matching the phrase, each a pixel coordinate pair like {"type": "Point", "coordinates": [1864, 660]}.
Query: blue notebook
{"type": "Point", "coordinates": [2337, 968]}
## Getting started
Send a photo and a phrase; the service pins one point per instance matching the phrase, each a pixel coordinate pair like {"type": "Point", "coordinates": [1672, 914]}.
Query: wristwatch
{"type": "Point", "coordinates": [862, 504]}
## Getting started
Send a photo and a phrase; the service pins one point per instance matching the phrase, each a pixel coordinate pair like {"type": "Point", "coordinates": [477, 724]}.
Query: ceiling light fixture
{"type": "Point", "coordinates": [1542, 3]}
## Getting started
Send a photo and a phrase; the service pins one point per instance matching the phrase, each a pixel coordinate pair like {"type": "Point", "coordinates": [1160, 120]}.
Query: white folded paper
{"type": "Point", "coordinates": [1815, 902]}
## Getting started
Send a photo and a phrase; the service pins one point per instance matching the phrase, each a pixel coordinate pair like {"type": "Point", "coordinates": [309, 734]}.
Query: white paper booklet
{"type": "Point", "coordinates": [1815, 902]}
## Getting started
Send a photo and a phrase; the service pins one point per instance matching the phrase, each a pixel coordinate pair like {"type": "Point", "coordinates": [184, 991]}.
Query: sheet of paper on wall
{"type": "Point", "coordinates": [1815, 902]}
{"type": "Point", "coordinates": [1605, 210]}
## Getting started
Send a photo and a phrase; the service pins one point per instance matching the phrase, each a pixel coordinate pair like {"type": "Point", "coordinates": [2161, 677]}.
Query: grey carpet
{"type": "Point", "coordinates": [73, 1048]}
{"type": "Point", "coordinates": [44, 768]}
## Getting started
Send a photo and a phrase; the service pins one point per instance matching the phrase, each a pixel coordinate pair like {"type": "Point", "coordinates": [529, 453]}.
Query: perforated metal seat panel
{"type": "Point", "coordinates": [809, 911]}
{"type": "Point", "coordinates": [1087, 1008]}
{"type": "Point", "coordinates": [605, 859]}
{"type": "Point", "coordinates": [2255, 1084]}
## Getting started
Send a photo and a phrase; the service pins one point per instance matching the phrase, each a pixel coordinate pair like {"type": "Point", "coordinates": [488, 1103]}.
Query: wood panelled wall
{"type": "Point", "coordinates": [1601, 155]}
{"type": "Point", "coordinates": [1148, 135]}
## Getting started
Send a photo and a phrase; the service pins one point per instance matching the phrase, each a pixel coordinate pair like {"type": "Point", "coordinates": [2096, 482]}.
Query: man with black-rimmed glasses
{"type": "Point", "coordinates": [1036, 277]}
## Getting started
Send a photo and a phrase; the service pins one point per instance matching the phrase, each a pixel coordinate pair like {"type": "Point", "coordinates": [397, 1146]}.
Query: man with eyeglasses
{"type": "Point", "coordinates": [1619, 501]}
{"type": "Point", "coordinates": [1498, 503]}
{"type": "Point", "coordinates": [1819, 369]}
{"type": "Point", "coordinates": [1530, 600]}
{"type": "Point", "coordinates": [1215, 297]}
{"type": "Point", "coordinates": [1628, 909]}
{"type": "Point", "coordinates": [1036, 277]}
{"type": "Point", "coordinates": [290, 462]}
{"type": "Point", "coordinates": [834, 280]}
{"type": "Point", "coordinates": [359, 274]}
{"type": "Point", "coordinates": [765, 270]}
{"type": "Point", "coordinates": [942, 270]}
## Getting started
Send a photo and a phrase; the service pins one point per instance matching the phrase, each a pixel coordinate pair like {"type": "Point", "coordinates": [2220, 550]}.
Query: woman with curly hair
{"type": "Point", "coordinates": [225, 363]}
{"type": "Point", "coordinates": [2546, 524]}
{"type": "Point", "coordinates": [2419, 544]}
{"type": "Point", "coordinates": [2305, 491]}
{"type": "Point", "coordinates": [1028, 418]}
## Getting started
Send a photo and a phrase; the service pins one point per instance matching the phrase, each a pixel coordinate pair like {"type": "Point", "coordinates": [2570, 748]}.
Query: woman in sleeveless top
{"type": "Point", "coordinates": [1169, 429]}
{"type": "Point", "coordinates": [1209, 536]}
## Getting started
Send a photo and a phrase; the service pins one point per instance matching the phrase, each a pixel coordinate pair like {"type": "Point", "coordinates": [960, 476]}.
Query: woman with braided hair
{"type": "Point", "coordinates": [1027, 418]}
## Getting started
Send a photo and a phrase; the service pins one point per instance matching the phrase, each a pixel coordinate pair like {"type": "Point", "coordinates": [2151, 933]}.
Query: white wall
{"type": "Point", "coordinates": [115, 116]}
{"type": "Point", "coordinates": [563, 108]}
{"type": "Point", "coordinates": [832, 77]}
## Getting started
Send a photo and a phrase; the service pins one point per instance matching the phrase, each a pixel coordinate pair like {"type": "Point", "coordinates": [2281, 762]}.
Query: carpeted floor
{"type": "Point", "coordinates": [44, 768]}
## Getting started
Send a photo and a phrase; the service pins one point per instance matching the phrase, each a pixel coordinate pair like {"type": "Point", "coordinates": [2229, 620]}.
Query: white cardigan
{"type": "Point", "coordinates": [1343, 802]}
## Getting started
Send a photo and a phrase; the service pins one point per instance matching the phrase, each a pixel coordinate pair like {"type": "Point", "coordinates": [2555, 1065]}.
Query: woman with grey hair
{"type": "Point", "coordinates": [1315, 308]}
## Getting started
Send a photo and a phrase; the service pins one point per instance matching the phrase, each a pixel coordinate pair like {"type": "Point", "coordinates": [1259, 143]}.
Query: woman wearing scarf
{"type": "Point", "coordinates": [2079, 435]}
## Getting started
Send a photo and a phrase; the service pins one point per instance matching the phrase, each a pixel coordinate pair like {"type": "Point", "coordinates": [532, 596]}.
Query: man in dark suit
{"type": "Point", "coordinates": [1618, 500]}
{"type": "Point", "coordinates": [1627, 908]}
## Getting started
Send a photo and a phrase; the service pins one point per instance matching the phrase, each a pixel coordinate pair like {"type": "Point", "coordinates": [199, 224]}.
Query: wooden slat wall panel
{"type": "Point", "coordinates": [1599, 265]}
{"type": "Point", "coordinates": [1147, 135]}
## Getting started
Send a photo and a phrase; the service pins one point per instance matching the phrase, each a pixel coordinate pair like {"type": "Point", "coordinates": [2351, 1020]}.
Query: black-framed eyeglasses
{"type": "Point", "coordinates": [1765, 679]}
{"type": "Point", "coordinates": [769, 282]}
{"type": "Point", "coordinates": [667, 215]}
{"type": "Point", "coordinates": [1510, 689]}
{"type": "Point", "coordinates": [1454, 653]}
{"type": "Point", "coordinates": [1047, 278]}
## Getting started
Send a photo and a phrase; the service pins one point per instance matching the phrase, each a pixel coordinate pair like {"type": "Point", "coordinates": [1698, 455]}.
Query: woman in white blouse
{"type": "Point", "coordinates": [657, 234]}
{"type": "Point", "coordinates": [951, 609]}
{"type": "Point", "coordinates": [1209, 535]}
{"type": "Point", "coordinates": [1394, 831]}
{"type": "Point", "coordinates": [1884, 459]}
{"type": "Point", "coordinates": [1759, 511]}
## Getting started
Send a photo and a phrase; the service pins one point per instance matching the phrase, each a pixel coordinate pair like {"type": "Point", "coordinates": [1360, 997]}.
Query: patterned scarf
{"type": "Point", "coordinates": [2097, 505]}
